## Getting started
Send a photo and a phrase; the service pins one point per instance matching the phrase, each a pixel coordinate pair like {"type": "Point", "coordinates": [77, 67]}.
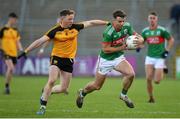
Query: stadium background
{"type": "Point", "coordinates": [37, 16]}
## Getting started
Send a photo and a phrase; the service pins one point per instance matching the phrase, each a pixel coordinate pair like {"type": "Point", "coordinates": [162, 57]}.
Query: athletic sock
{"type": "Point", "coordinates": [43, 102]}
{"type": "Point", "coordinates": [7, 85]}
{"type": "Point", "coordinates": [124, 92]}
{"type": "Point", "coordinates": [84, 94]}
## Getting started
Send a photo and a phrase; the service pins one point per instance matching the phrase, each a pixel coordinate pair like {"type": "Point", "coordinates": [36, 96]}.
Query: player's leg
{"type": "Point", "coordinates": [103, 67]}
{"type": "Point", "coordinates": [159, 73]}
{"type": "Point", "coordinates": [165, 69]}
{"type": "Point", "coordinates": [149, 69]}
{"type": "Point", "coordinates": [126, 69]}
{"type": "Point", "coordinates": [53, 75]}
{"type": "Point", "coordinates": [63, 86]}
{"type": "Point", "coordinates": [9, 73]}
{"type": "Point", "coordinates": [90, 87]}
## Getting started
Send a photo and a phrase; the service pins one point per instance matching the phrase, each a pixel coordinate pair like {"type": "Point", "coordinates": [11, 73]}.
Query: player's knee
{"type": "Point", "coordinates": [131, 76]}
{"type": "Point", "coordinates": [10, 69]}
{"type": "Point", "coordinates": [51, 83]}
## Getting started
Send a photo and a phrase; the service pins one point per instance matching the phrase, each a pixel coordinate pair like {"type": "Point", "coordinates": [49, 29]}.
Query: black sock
{"type": "Point", "coordinates": [43, 102]}
{"type": "Point", "coordinates": [7, 85]}
{"type": "Point", "coordinates": [83, 93]}
{"type": "Point", "coordinates": [124, 91]}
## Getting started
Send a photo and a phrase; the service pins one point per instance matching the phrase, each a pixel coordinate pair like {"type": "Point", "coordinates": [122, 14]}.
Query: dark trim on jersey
{"type": "Point", "coordinates": [6, 28]}
{"type": "Point", "coordinates": [51, 33]}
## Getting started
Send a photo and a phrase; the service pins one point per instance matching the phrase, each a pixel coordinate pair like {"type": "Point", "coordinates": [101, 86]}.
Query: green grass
{"type": "Point", "coordinates": [24, 99]}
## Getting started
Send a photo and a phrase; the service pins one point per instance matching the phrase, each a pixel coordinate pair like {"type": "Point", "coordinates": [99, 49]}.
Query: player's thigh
{"type": "Point", "coordinates": [9, 64]}
{"type": "Point", "coordinates": [65, 78]}
{"type": "Point", "coordinates": [149, 69]}
{"type": "Point", "coordinates": [125, 68]}
{"type": "Point", "coordinates": [53, 73]}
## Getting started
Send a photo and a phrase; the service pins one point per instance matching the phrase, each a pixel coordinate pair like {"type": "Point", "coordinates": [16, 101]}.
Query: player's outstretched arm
{"type": "Point", "coordinates": [41, 51]}
{"type": "Point", "coordinates": [34, 45]}
{"type": "Point", "coordinates": [91, 23]}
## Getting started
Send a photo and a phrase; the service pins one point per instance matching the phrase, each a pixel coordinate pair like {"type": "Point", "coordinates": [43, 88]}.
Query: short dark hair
{"type": "Point", "coordinates": [153, 13]}
{"type": "Point", "coordinates": [119, 13]}
{"type": "Point", "coordinates": [66, 12]}
{"type": "Point", "coordinates": [13, 15]}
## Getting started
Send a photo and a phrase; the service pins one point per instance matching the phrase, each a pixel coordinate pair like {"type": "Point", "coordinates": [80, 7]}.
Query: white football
{"type": "Point", "coordinates": [130, 42]}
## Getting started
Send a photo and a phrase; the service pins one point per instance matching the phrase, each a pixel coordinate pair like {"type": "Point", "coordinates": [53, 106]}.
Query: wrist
{"type": "Point", "coordinates": [166, 51]}
{"type": "Point", "coordinates": [26, 51]}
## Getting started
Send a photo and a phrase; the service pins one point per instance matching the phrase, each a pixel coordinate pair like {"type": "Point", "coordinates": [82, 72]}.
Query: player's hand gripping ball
{"type": "Point", "coordinates": [134, 41]}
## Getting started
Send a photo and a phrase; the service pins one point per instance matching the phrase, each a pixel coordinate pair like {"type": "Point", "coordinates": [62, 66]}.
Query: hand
{"type": "Point", "coordinates": [123, 46]}
{"type": "Point", "coordinates": [139, 42]}
{"type": "Point", "coordinates": [138, 50]}
{"type": "Point", "coordinates": [165, 54]}
{"type": "Point", "coordinates": [22, 54]}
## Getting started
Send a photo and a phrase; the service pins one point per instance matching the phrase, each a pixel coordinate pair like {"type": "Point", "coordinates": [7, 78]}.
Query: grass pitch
{"type": "Point", "coordinates": [25, 93]}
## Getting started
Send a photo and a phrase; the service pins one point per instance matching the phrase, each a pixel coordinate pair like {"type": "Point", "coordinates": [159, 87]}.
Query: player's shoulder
{"type": "Point", "coordinates": [145, 29]}
{"type": "Point", "coordinates": [15, 29]}
{"type": "Point", "coordinates": [77, 26]}
{"type": "Point", "coordinates": [56, 27]}
{"type": "Point", "coordinates": [127, 24]}
{"type": "Point", "coordinates": [161, 28]}
{"type": "Point", "coordinates": [4, 28]}
{"type": "Point", "coordinates": [108, 30]}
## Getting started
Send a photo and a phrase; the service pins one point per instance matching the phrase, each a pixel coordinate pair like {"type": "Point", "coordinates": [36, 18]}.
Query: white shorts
{"type": "Point", "coordinates": [159, 63]}
{"type": "Point", "coordinates": [104, 66]}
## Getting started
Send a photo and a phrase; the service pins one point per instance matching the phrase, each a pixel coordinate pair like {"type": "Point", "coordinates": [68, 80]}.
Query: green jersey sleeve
{"type": "Point", "coordinates": [130, 29]}
{"type": "Point", "coordinates": [106, 38]}
{"type": "Point", "coordinates": [166, 34]}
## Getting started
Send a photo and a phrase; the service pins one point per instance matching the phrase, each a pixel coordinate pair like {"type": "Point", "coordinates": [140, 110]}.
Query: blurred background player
{"type": "Point", "coordinates": [64, 36]}
{"type": "Point", "coordinates": [112, 57]}
{"type": "Point", "coordinates": [155, 37]}
{"type": "Point", "coordinates": [10, 44]}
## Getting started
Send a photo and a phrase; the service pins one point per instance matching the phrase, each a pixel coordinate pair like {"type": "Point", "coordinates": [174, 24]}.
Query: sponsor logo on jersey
{"type": "Point", "coordinates": [155, 40]}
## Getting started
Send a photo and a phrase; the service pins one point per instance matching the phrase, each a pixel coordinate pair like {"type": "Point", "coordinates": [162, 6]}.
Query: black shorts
{"type": "Point", "coordinates": [14, 59]}
{"type": "Point", "coordinates": [65, 64]}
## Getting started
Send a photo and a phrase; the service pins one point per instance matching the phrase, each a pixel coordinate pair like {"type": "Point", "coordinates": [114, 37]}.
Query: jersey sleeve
{"type": "Point", "coordinates": [106, 38]}
{"type": "Point", "coordinates": [79, 26]}
{"type": "Point", "coordinates": [18, 34]}
{"type": "Point", "coordinates": [1, 32]}
{"type": "Point", "coordinates": [166, 34]}
{"type": "Point", "coordinates": [130, 29]}
{"type": "Point", "coordinates": [51, 33]}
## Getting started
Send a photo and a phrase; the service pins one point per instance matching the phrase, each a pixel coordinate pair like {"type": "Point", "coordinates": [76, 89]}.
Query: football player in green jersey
{"type": "Point", "coordinates": [155, 36]}
{"type": "Point", "coordinates": [112, 57]}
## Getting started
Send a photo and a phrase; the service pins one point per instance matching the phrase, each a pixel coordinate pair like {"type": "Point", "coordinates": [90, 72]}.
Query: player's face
{"type": "Point", "coordinates": [68, 20]}
{"type": "Point", "coordinates": [118, 23]}
{"type": "Point", "coordinates": [152, 19]}
{"type": "Point", "coordinates": [13, 21]}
